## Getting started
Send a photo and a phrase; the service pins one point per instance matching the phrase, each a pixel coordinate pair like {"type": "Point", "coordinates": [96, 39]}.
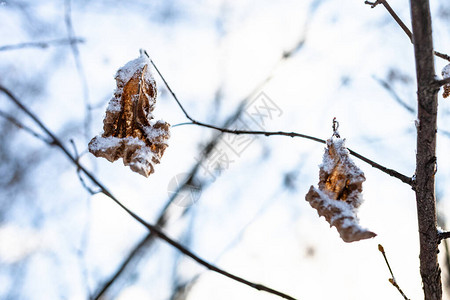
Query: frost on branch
{"type": "Point", "coordinates": [129, 131]}
{"type": "Point", "coordinates": [339, 192]}
{"type": "Point", "coordinates": [445, 75]}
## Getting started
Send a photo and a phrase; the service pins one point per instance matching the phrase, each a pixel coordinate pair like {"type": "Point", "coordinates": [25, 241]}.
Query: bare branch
{"type": "Point", "coordinates": [401, 24]}
{"type": "Point", "coordinates": [393, 14]}
{"type": "Point", "coordinates": [438, 83]}
{"type": "Point", "coordinates": [80, 177]}
{"type": "Point", "coordinates": [19, 125]}
{"type": "Point", "coordinates": [149, 238]}
{"type": "Point", "coordinates": [156, 230]}
{"type": "Point", "coordinates": [79, 66]}
{"type": "Point", "coordinates": [442, 55]}
{"type": "Point", "coordinates": [444, 235]}
{"type": "Point", "coordinates": [392, 279]}
{"type": "Point", "coordinates": [42, 44]}
{"type": "Point", "coordinates": [394, 95]}
{"type": "Point", "coordinates": [146, 241]}
{"type": "Point", "coordinates": [390, 172]}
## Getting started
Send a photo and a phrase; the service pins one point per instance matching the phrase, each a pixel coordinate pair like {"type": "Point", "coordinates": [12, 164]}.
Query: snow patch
{"type": "Point", "coordinates": [125, 73]}
{"type": "Point", "coordinates": [446, 71]}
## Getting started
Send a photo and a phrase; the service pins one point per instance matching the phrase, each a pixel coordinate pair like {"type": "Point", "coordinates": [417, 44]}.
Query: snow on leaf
{"type": "Point", "coordinates": [339, 192]}
{"type": "Point", "coordinates": [129, 131]}
{"type": "Point", "coordinates": [445, 75]}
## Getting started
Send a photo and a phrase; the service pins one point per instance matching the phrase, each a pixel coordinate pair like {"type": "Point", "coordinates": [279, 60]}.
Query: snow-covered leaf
{"type": "Point", "coordinates": [129, 129]}
{"type": "Point", "coordinates": [339, 192]}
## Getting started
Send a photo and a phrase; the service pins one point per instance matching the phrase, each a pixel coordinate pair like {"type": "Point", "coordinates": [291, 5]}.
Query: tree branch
{"type": "Point", "coordinates": [80, 177]}
{"type": "Point", "coordinates": [42, 44]}
{"type": "Point", "coordinates": [442, 55]}
{"type": "Point", "coordinates": [444, 235]}
{"type": "Point", "coordinates": [388, 171]}
{"type": "Point", "coordinates": [393, 14]}
{"type": "Point", "coordinates": [426, 149]}
{"type": "Point", "coordinates": [392, 279]}
{"type": "Point", "coordinates": [146, 242]}
{"type": "Point", "coordinates": [150, 237]}
{"type": "Point", "coordinates": [394, 95]}
{"type": "Point", "coordinates": [438, 83]}
{"type": "Point", "coordinates": [156, 230]}
{"type": "Point", "coordinates": [79, 67]}
{"type": "Point", "coordinates": [19, 125]}
{"type": "Point", "coordinates": [401, 24]}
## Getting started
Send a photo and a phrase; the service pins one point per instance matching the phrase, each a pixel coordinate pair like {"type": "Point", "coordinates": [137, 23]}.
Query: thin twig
{"type": "Point", "coordinates": [42, 44]}
{"type": "Point", "coordinates": [79, 66]}
{"type": "Point", "coordinates": [19, 125]}
{"type": "Point", "coordinates": [392, 279]}
{"type": "Point", "coordinates": [388, 171]}
{"type": "Point", "coordinates": [394, 95]}
{"type": "Point", "coordinates": [391, 172]}
{"type": "Point", "coordinates": [170, 90]}
{"type": "Point", "coordinates": [394, 15]}
{"type": "Point", "coordinates": [156, 230]}
{"type": "Point", "coordinates": [150, 237]}
{"type": "Point", "coordinates": [442, 55]}
{"type": "Point", "coordinates": [80, 177]}
{"type": "Point", "coordinates": [401, 24]}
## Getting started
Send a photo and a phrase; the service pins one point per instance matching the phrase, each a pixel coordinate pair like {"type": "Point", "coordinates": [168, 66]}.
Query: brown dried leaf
{"type": "Point", "coordinates": [445, 75]}
{"type": "Point", "coordinates": [339, 192]}
{"type": "Point", "coordinates": [129, 131]}
{"type": "Point", "coordinates": [446, 91]}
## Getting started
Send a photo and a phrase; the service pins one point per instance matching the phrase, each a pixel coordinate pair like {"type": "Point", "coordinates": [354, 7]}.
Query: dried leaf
{"type": "Point", "coordinates": [339, 192]}
{"type": "Point", "coordinates": [445, 75]}
{"type": "Point", "coordinates": [129, 131]}
{"type": "Point", "coordinates": [446, 91]}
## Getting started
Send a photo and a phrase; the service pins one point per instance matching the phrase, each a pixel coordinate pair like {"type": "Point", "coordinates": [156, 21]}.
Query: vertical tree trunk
{"type": "Point", "coordinates": [426, 149]}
